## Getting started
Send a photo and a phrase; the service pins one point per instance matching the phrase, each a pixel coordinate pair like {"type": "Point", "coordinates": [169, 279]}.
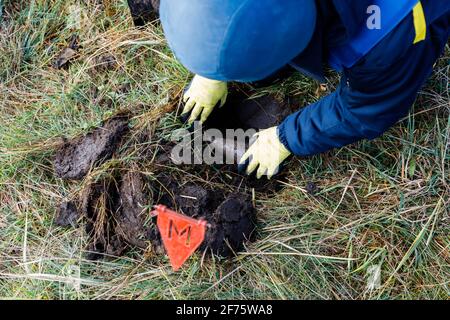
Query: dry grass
{"type": "Point", "coordinates": [383, 206]}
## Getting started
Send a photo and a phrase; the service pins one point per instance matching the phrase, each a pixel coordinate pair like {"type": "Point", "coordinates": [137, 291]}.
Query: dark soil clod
{"type": "Point", "coordinates": [63, 58]}
{"type": "Point", "coordinates": [98, 203]}
{"type": "Point", "coordinates": [117, 215]}
{"type": "Point", "coordinates": [67, 214]}
{"type": "Point", "coordinates": [132, 217]}
{"type": "Point", "coordinates": [67, 54]}
{"type": "Point", "coordinates": [233, 224]}
{"type": "Point", "coordinates": [76, 157]}
{"type": "Point", "coordinates": [231, 217]}
{"type": "Point", "coordinates": [196, 202]}
{"type": "Point", "coordinates": [312, 188]}
{"type": "Point", "coordinates": [143, 11]}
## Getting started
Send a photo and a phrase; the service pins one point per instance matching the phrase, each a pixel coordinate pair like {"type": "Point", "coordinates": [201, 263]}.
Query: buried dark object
{"type": "Point", "coordinates": [241, 111]}
{"type": "Point", "coordinates": [76, 157]}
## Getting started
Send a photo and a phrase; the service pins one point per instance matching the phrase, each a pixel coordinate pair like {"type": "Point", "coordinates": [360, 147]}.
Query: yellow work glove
{"type": "Point", "coordinates": [266, 153]}
{"type": "Point", "coordinates": [202, 96]}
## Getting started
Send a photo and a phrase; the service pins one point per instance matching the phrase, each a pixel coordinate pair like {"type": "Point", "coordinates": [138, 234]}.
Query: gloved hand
{"type": "Point", "coordinates": [202, 96]}
{"type": "Point", "coordinates": [266, 153]}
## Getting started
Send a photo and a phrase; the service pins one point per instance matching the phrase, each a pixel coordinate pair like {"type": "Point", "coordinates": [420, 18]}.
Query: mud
{"type": "Point", "coordinates": [67, 54]}
{"type": "Point", "coordinates": [67, 214]}
{"type": "Point", "coordinates": [242, 112]}
{"type": "Point", "coordinates": [99, 200]}
{"type": "Point", "coordinates": [132, 217]}
{"type": "Point", "coordinates": [105, 63]}
{"type": "Point", "coordinates": [76, 157]}
{"type": "Point", "coordinates": [231, 216]}
{"type": "Point", "coordinates": [233, 224]}
{"type": "Point", "coordinates": [116, 210]}
{"type": "Point", "coordinates": [116, 206]}
{"type": "Point", "coordinates": [143, 11]}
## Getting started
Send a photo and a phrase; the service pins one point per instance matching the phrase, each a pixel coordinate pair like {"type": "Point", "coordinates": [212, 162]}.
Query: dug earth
{"type": "Point", "coordinates": [115, 206]}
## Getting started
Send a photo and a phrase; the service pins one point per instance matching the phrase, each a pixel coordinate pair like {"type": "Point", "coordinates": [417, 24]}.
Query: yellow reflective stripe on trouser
{"type": "Point", "coordinates": [420, 23]}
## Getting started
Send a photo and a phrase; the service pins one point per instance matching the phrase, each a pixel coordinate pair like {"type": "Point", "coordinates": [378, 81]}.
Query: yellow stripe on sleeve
{"type": "Point", "coordinates": [420, 23]}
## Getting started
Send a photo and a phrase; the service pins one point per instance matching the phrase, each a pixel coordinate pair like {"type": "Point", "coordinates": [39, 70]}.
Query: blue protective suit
{"type": "Point", "coordinates": [375, 92]}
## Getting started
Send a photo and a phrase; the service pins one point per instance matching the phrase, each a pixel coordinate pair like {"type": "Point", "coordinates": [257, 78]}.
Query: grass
{"type": "Point", "coordinates": [383, 205]}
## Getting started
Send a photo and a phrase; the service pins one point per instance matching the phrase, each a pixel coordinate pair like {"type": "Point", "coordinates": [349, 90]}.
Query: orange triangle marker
{"type": "Point", "coordinates": [181, 235]}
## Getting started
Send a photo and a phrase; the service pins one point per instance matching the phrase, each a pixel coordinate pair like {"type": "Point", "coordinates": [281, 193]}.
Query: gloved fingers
{"type": "Point", "coordinates": [188, 106]}
{"type": "Point", "coordinates": [186, 96]}
{"type": "Point", "coordinates": [252, 166]}
{"type": "Point", "coordinates": [254, 138]}
{"type": "Point", "coordinates": [251, 146]}
{"type": "Point", "coordinates": [195, 112]}
{"type": "Point", "coordinates": [242, 166]}
{"type": "Point", "coordinates": [246, 155]}
{"type": "Point", "coordinates": [272, 172]}
{"type": "Point", "coordinates": [205, 114]}
{"type": "Point", "coordinates": [223, 101]}
{"type": "Point", "coordinates": [187, 92]}
{"type": "Point", "coordinates": [275, 171]}
{"type": "Point", "coordinates": [262, 171]}
{"type": "Point", "coordinates": [184, 117]}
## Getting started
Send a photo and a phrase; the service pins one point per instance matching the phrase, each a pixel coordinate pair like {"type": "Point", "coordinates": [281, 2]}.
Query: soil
{"type": "Point", "coordinates": [117, 214]}
{"type": "Point", "coordinates": [241, 112]}
{"type": "Point", "coordinates": [105, 63]}
{"type": "Point", "coordinates": [132, 217]}
{"type": "Point", "coordinates": [67, 214]}
{"type": "Point", "coordinates": [67, 54]}
{"type": "Point", "coordinates": [63, 58]}
{"type": "Point", "coordinates": [98, 203]}
{"type": "Point", "coordinates": [233, 225]}
{"type": "Point", "coordinates": [231, 216]}
{"type": "Point", "coordinates": [116, 206]}
{"type": "Point", "coordinates": [143, 11]}
{"type": "Point", "coordinates": [76, 157]}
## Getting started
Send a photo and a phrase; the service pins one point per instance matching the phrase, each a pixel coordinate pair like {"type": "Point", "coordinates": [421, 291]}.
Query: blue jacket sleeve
{"type": "Point", "coordinates": [371, 97]}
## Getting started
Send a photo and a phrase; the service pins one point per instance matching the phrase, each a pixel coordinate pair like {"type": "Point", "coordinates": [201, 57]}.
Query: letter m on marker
{"type": "Point", "coordinates": [179, 234]}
